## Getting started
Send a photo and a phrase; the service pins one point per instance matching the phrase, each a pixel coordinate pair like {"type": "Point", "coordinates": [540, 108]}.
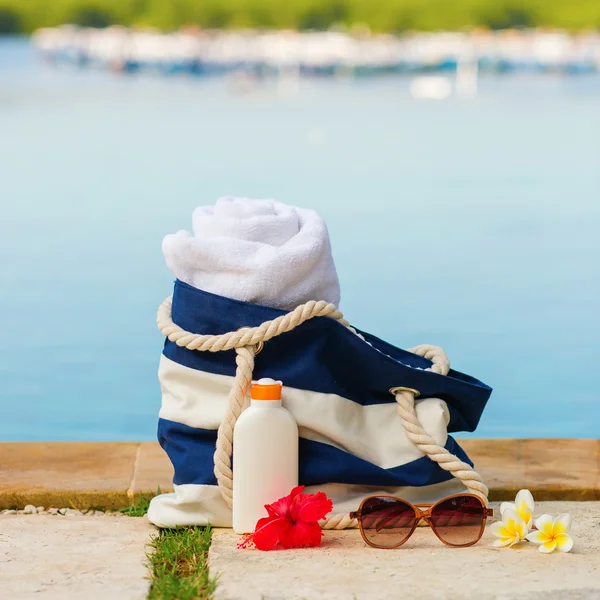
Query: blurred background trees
{"type": "Point", "coordinates": [24, 16]}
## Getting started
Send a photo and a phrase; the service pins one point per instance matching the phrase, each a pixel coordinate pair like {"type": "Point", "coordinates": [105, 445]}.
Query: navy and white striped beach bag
{"type": "Point", "coordinates": [337, 384]}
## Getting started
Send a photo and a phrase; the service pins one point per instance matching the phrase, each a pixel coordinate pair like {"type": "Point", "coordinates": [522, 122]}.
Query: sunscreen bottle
{"type": "Point", "coordinates": [265, 455]}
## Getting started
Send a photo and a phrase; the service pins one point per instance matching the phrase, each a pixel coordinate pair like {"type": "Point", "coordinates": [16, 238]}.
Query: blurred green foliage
{"type": "Point", "coordinates": [10, 21]}
{"type": "Point", "coordinates": [22, 16]}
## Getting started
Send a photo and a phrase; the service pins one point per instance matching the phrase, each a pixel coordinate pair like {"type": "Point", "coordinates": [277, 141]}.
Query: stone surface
{"type": "Point", "coordinates": [66, 474]}
{"type": "Point", "coordinates": [57, 558]}
{"type": "Point", "coordinates": [345, 568]}
{"type": "Point", "coordinates": [153, 470]}
{"type": "Point", "coordinates": [110, 475]}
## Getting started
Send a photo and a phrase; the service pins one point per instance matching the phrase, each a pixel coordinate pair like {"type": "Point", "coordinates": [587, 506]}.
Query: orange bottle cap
{"type": "Point", "coordinates": [266, 389]}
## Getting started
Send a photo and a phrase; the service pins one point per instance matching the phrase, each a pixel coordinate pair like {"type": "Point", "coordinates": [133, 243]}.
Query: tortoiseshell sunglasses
{"type": "Point", "coordinates": [387, 521]}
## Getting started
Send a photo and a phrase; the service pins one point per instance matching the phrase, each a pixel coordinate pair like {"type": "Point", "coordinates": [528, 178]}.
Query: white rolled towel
{"type": "Point", "coordinates": [258, 251]}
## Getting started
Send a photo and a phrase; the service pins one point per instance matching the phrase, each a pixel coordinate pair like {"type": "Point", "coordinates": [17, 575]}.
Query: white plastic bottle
{"type": "Point", "coordinates": [265, 455]}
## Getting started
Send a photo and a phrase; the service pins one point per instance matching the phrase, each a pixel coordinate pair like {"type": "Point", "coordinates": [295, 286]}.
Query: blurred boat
{"type": "Point", "coordinates": [467, 72]}
{"type": "Point", "coordinates": [430, 87]}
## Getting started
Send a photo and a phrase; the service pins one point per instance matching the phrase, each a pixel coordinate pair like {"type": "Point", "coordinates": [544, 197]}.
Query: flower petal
{"type": "Point", "coordinates": [545, 524]}
{"type": "Point", "coordinates": [505, 505]}
{"type": "Point", "coordinates": [524, 499]}
{"type": "Point", "coordinates": [548, 547]}
{"type": "Point", "coordinates": [296, 491]}
{"type": "Point", "coordinates": [311, 508]}
{"type": "Point", "coordinates": [509, 515]}
{"type": "Point", "coordinates": [538, 537]}
{"type": "Point", "coordinates": [282, 508]}
{"type": "Point", "coordinates": [564, 542]}
{"type": "Point", "coordinates": [502, 542]}
{"type": "Point", "coordinates": [515, 540]}
{"type": "Point", "coordinates": [514, 523]}
{"type": "Point", "coordinates": [562, 524]}
{"type": "Point", "coordinates": [268, 531]}
{"type": "Point", "coordinates": [302, 535]}
{"type": "Point", "coordinates": [273, 512]}
{"type": "Point", "coordinates": [500, 530]}
{"type": "Point", "coordinates": [526, 516]}
{"type": "Point", "coordinates": [521, 528]}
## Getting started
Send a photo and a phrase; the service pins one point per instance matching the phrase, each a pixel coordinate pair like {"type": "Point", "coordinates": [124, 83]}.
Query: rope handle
{"type": "Point", "coordinates": [244, 336]}
{"type": "Point", "coordinates": [248, 341]}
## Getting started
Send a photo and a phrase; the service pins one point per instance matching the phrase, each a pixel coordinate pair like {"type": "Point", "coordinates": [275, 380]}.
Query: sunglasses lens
{"type": "Point", "coordinates": [387, 522]}
{"type": "Point", "coordinates": [459, 521]}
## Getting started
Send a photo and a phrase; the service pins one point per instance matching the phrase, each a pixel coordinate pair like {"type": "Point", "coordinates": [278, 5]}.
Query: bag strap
{"type": "Point", "coordinates": [248, 341]}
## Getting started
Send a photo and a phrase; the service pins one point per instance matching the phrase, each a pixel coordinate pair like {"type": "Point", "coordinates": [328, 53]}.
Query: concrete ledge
{"type": "Point", "coordinates": [81, 475]}
{"type": "Point", "coordinates": [553, 469]}
{"type": "Point", "coordinates": [111, 475]}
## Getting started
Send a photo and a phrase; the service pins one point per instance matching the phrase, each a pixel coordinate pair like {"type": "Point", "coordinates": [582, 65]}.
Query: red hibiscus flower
{"type": "Point", "coordinates": [292, 522]}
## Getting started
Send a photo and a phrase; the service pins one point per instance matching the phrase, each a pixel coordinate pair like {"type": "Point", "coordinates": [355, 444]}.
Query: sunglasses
{"type": "Point", "coordinates": [387, 522]}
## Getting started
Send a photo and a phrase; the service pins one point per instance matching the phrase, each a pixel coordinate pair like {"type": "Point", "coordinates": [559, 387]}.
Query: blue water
{"type": "Point", "coordinates": [473, 225]}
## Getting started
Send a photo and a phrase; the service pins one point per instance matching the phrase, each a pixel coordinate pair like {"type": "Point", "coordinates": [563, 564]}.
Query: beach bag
{"type": "Point", "coordinates": [372, 418]}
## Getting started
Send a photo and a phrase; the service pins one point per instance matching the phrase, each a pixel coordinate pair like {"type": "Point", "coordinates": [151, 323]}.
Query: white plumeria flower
{"type": "Point", "coordinates": [551, 534]}
{"type": "Point", "coordinates": [523, 506]}
{"type": "Point", "coordinates": [510, 531]}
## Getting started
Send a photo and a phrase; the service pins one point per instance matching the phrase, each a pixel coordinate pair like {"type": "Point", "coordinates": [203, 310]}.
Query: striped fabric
{"type": "Point", "coordinates": [352, 442]}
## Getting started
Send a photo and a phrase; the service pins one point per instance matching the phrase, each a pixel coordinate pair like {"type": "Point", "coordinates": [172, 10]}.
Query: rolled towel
{"type": "Point", "coordinates": [258, 251]}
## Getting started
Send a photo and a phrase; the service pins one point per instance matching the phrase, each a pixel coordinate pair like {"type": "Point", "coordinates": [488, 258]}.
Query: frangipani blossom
{"type": "Point", "coordinates": [551, 534]}
{"type": "Point", "coordinates": [523, 506]}
{"type": "Point", "coordinates": [510, 531]}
